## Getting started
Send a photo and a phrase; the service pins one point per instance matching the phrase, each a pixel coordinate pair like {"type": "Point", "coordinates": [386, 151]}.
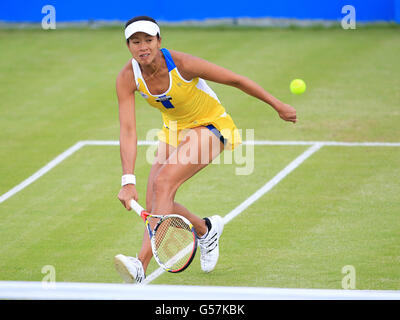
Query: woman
{"type": "Point", "coordinates": [196, 129]}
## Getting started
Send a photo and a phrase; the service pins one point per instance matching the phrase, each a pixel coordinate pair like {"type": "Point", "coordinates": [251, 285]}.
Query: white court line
{"type": "Point", "coordinates": [264, 143]}
{"type": "Point", "coordinates": [21, 290]}
{"type": "Point", "coordinates": [81, 144]}
{"type": "Point", "coordinates": [272, 183]}
{"type": "Point", "coordinates": [58, 160]}
{"type": "Point", "coordinates": [42, 171]}
{"type": "Point", "coordinates": [255, 196]}
{"type": "Point", "coordinates": [324, 143]}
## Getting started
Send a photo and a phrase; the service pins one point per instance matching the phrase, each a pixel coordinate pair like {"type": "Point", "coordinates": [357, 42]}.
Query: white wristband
{"type": "Point", "coordinates": [128, 179]}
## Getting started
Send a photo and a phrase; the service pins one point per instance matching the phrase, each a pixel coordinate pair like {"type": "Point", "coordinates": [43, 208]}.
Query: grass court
{"type": "Point", "coordinates": [339, 207]}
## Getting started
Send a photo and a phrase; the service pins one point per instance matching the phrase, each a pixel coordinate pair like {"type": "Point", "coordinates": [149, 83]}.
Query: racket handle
{"type": "Point", "coordinates": [136, 206]}
{"type": "Point", "coordinates": [139, 209]}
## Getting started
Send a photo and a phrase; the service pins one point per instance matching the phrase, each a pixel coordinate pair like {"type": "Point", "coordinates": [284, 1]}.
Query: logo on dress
{"type": "Point", "coordinates": [163, 98]}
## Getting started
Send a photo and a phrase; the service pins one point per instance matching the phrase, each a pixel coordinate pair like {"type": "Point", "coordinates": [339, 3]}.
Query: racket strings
{"type": "Point", "coordinates": [174, 242]}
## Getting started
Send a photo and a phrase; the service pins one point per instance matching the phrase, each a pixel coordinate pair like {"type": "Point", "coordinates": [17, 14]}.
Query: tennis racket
{"type": "Point", "coordinates": [173, 239]}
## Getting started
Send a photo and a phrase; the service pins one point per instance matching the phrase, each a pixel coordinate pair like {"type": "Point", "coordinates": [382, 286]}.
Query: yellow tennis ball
{"type": "Point", "coordinates": [297, 86]}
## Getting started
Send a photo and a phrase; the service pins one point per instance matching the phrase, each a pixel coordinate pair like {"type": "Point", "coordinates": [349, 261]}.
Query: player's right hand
{"type": "Point", "coordinates": [126, 194]}
{"type": "Point", "coordinates": [287, 113]}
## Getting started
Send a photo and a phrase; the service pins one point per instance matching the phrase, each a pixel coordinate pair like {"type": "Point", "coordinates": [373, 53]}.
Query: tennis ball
{"type": "Point", "coordinates": [297, 86]}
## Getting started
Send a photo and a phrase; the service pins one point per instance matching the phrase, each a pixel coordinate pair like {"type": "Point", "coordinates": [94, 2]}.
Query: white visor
{"type": "Point", "coordinates": [142, 26]}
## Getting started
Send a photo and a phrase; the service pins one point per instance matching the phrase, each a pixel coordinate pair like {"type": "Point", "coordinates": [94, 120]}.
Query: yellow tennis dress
{"type": "Point", "coordinates": [187, 104]}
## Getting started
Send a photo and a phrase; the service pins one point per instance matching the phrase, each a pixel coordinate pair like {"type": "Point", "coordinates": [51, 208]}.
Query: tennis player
{"type": "Point", "coordinates": [196, 129]}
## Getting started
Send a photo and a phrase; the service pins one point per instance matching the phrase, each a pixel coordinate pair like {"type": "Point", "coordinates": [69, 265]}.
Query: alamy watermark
{"type": "Point", "coordinates": [49, 20]}
{"type": "Point", "coordinates": [349, 20]}
{"type": "Point", "coordinates": [49, 280]}
{"type": "Point", "coordinates": [349, 280]}
{"type": "Point", "coordinates": [194, 153]}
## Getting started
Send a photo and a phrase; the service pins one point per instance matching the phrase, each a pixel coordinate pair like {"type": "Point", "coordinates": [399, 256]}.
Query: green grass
{"type": "Point", "coordinates": [340, 207]}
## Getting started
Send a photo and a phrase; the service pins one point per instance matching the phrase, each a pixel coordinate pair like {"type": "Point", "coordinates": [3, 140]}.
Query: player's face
{"type": "Point", "coordinates": [144, 47]}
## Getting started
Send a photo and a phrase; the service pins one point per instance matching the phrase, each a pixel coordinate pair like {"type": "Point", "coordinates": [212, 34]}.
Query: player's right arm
{"type": "Point", "coordinates": [126, 87]}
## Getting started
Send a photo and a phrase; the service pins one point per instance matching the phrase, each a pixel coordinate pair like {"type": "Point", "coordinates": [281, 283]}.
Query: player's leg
{"type": "Point", "coordinates": [162, 154]}
{"type": "Point", "coordinates": [192, 155]}
{"type": "Point", "coordinates": [199, 147]}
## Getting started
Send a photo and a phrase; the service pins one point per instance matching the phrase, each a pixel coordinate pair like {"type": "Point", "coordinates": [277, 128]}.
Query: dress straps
{"type": "Point", "coordinates": [168, 59]}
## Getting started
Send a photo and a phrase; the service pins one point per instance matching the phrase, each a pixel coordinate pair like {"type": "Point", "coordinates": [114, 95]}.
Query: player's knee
{"type": "Point", "coordinates": [163, 185]}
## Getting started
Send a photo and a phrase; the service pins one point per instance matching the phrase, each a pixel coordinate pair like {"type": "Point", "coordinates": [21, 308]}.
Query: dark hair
{"type": "Point", "coordinates": [141, 18]}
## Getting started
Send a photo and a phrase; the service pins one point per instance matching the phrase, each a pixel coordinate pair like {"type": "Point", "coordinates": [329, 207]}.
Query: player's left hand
{"type": "Point", "coordinates": [287, 113]}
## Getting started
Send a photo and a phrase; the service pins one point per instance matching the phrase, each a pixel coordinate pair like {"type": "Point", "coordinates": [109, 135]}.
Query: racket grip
{"type": "Point", "coordinates": [137, 207]}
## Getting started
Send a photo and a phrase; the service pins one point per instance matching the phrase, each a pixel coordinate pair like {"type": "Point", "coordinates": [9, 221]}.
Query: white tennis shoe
{"type": "Point", "coordinates": [209, 246]}
{"type": "Point", "coordinates": [130, 268]}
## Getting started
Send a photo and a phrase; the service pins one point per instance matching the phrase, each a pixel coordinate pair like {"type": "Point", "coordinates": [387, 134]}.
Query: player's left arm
{"type": "Point", "coordinates": [191, 67]}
